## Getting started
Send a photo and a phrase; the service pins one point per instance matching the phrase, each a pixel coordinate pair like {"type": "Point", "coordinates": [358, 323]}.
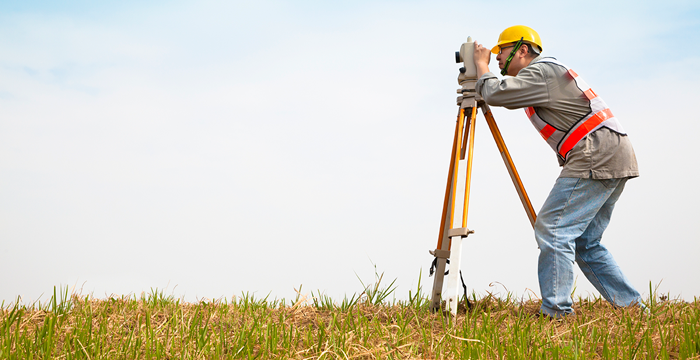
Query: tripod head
{"type": "Point", "coordinates": [467, 75]}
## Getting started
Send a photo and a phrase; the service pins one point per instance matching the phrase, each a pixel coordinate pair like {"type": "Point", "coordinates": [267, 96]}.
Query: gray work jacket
{"type": "Point", "coordinates": [603, 154]}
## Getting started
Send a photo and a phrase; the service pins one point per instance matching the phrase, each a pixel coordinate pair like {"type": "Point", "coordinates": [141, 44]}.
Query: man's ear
{"type": "Point", "coordinates": [523, 51]}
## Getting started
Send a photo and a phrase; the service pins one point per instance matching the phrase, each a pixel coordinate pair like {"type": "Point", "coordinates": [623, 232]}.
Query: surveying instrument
{"type": "Point", "coordinates": [449, 245]}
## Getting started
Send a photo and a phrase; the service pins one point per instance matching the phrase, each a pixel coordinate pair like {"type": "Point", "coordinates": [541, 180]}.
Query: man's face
{"type": "Point", "coordinates": [502, 56]}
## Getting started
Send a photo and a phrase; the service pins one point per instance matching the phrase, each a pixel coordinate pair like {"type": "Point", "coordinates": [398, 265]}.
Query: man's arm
{"type": "Point", "coordinates": [528, 88]}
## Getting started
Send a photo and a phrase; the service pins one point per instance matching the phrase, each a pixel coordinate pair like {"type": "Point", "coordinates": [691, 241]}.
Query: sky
{"type": "Point", "coordinates": [214, 148]}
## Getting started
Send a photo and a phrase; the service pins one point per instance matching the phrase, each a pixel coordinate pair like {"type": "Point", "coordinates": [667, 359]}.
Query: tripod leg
{"type": "Point", "coordinates": [443, 246]}
{"type": "Point", "coordinates": [446, 219]}
{"type": "Point", "coordinates": [452, 292]}
{"type": "Point", "coordinates": [466, 136]}
{"type": "Point", "coordinates": [467, 185]}
{"type": "Point", "coordinates": [509, 164]}
{"type": "Point", "coordinates": [455, 171]}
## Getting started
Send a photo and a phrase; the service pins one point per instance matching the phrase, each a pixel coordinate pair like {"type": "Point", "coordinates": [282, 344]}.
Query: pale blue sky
{"type": "Point", "coordinates": [220, 147]}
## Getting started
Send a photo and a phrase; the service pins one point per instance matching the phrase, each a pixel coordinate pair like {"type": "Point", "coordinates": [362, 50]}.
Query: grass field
{"type": "Point", "coordinates": [365, 326]}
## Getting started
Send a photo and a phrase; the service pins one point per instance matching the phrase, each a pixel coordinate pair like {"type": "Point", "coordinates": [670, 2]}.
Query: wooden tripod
{"type": "Point", "coordinates": [449, 245]}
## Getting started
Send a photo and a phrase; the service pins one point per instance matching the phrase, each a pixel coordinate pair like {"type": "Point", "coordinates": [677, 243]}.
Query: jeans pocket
{"type": "Point", "coordinates": [609, 183]}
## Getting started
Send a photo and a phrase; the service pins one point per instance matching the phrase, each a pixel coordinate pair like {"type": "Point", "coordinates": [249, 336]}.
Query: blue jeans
{"type": "Point", "coordinates": [569, 227]}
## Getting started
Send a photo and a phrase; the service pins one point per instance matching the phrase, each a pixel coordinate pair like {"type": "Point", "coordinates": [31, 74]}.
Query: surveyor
{"type": "Point", "coordinates": [596, 157]}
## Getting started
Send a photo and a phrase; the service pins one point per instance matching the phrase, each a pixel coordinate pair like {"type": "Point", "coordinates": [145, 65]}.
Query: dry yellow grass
{"type": "Point", "coordinates": [159, 327]}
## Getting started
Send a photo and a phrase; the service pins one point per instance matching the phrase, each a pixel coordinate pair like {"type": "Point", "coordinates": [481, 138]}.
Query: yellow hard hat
{"type": "Point", "coordinates": [515, 33]}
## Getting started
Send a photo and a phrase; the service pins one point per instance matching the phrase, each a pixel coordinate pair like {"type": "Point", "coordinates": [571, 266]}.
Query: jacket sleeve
{"type": "Point", "coordinates": [528, 88]}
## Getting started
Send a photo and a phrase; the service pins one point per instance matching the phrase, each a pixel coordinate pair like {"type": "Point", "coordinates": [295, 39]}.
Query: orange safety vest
{"type": "Point", "coordinates": [563, 140]}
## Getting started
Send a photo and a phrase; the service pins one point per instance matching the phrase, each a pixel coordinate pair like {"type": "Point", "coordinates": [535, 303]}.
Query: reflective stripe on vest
{"type": "Point", "coordinates": [562, 141]}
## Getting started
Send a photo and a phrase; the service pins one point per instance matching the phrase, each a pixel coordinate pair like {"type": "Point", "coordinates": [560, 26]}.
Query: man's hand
{"type": "Point", "coordinates": [482, 57]}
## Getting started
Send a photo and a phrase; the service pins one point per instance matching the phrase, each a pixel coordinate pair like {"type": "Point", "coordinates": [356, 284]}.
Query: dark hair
{"type": "Point", "coordinates": [532, 51]}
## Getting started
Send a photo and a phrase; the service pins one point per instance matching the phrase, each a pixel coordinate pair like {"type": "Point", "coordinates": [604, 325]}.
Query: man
{"type": "Point", "coordinates": [596, 156]}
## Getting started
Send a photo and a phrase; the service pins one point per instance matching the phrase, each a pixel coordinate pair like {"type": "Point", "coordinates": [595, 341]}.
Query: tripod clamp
{"type": "Point", "coordinates": [469, 98]}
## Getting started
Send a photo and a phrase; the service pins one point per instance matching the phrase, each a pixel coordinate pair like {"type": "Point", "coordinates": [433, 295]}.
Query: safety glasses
{"type": "Point", "coordinates": [500, 49]}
